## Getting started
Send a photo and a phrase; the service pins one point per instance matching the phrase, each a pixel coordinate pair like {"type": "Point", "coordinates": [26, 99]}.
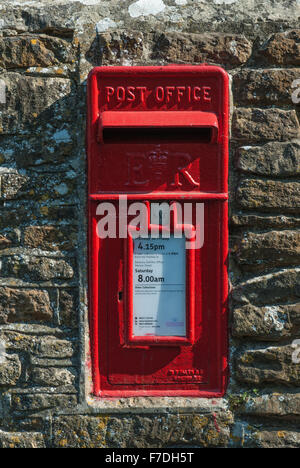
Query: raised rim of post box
{"type": "Point", "coordinates": [92, 130]}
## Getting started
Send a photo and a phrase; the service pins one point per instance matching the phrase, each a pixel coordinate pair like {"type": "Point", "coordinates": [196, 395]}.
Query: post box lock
{"type": "Point", "coordinates": [157, 145]}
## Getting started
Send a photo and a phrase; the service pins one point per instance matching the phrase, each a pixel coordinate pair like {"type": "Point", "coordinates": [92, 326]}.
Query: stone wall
{"type": "Point", "coordinates": [46, 51]}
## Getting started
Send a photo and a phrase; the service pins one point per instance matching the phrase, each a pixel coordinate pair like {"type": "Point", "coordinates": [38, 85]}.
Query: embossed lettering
{"type": "Point", "coordinates": [161, 94]}
{"type": "Point", "coordinates": [185, 164]}
{"type": "Point", "coordinates": [136, 170]}
{"type": "Point", "coordinates": [207, 93]}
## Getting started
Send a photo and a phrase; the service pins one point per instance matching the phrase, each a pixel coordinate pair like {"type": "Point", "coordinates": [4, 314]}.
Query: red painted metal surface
{"type": "Point", "coordinates": [159, 134]}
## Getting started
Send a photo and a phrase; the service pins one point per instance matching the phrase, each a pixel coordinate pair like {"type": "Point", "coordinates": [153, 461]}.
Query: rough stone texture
{"type": "Point", "coordinates": [286, 405]}
{"type": "Point", "coordinates": [283, 49]}
{"type": "Point", "coordinates": [264, 87]}
{"type": "Point", "coordinates": [264, 221]}
{"type": "Point", "coordinates": [271, 323]}
{"type": "Point", "coordinates": [279, 438]}
{"type": "Point", "coordinates": [259, 125]}
{"type": "Point", "coordinates": [46, 52]}
{"type": "Point", "coordinates": [30, 97]}
{"type": "Point", "coordinates": [11, 184]}
{"type": "Point", "coordinates": [116, 47]}
{"type": "Point", "coordinates": [273, 159]}
{"type": "Point", "coordinates": [10, 369]}
{"type": "Point", "coordinates": [36, 268]}
{"type": "Point", "coordinates": [228, 50]}
{"type": "Point", "coordinates": [273, 248]}
{"type": "Point", "coordinates": [24, 306]}
{"type": "Point", "coordinates": [50, 237]}
{"type": "Point", "coordinates": [276, 287]}
{"type": "Point", "coordinates": [42, 187]}
{"type": "Point", "coordinates": [143, 432]}
{"type": "Point", "coordinates": [4, 242]}
{"type": "Point", "coordinates": [34, 51]}
{"type": "Point", "coordinates": [21, 440]}
{"type": "Point", "coordinates": [268, 365]}
{"type": "Point", "coordinates": [38, 402]}
{"type": "Point", "coordinates": [269, 195]}
{"type": "Point", "coordinates": [52, 347]}
{"type": "Point", "coordinates": [52, 377]}
{"type": "Point", "coordinates": [35, 340]}
{"type": "Point", "coordinates": [68, 302]}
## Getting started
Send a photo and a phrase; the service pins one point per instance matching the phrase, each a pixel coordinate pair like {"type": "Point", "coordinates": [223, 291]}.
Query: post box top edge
{"type": "Point", "coordinates": [159, 69]}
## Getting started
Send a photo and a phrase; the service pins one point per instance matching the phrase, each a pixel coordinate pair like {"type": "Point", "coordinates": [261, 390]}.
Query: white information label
{"type": "Point", "coordinates": [159, 287]}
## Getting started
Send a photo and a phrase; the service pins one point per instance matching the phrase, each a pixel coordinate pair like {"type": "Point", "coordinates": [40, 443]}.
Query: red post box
{"type": "Point", "coordinates": [158, 137]}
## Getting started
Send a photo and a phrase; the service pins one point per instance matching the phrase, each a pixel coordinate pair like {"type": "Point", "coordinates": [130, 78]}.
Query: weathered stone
{"type": "Point", "coordinates": [21, 440]}
{"type": "Point", "coordinates": [36, 268]}
{"type": "Point", "coordinates": [227, 49]}
{"type": "Point", "coordinates": [68, 307]}
{"type": "Point", "coordinates": [44, 187]}
{"type": "Point", "coordinates": [141, 431]}
{"type": "Point", "coordinates": [263, 221]}
{"type": "Point", "coordinates": [278, 438]}
{"type": "Point", "coordinates": [258, 125]}
{"type": "Point", "coordinates": [52, 347]}
{"type": "Point", "coordinates": [274, 288]}
{"type": "Point", "coordinates": [269, 195]}
{"type": "Point", "coordinates": [243, 435]}
{"type": "Point", "coordinates": [268, 365]}
{"type": "Point", "coordinates": [268, 323]}
{"type": "Point", "coordinates": [24, 423]}
{"type": "Point", "coordinates": [282, 49]}
{"type": "Point", "coordinates": [39, 402]}
{"type": "Point", "coordinates": [58, 212]}
{"type": "Point", "coordinates": [46, 362]}
{"type": "Point", "coordinates": [4, 242]}
{"type": "Point", "coordinates": [264, 87]}
{"type": "Point", "coordinates": [34, 51]}
{"type": "Point", "coordinates": [31, 102]}
{"type": "Point", "coordinates": [15, 216]}
{"type": "Point", "coordinates": [274, 248]}
{"type": "Point", "coordinates": [14, 341]}
{"type": "Point", "coordinates": [52, 147]}
{"type": "Point", "coordinates": [37, 346]}
{"type": "Point", "coordinates": [10, 369]}
{"type": "Point", "coordinates": [64, 17]}
{"type": "Point", "coordinates": [24, 305]}
{"type": "Point", "coordinates": [273, 159]}
{"type": "Point", "coordinates": [50, 237]}
{"type": "Point", "coordinates": [53, 377]}
{"type": "Point", "coordinates": [274, 405]}
{"type": "Point", "coordinates": [11, 184]}
{"type": "Point", "coordinates": [116, 47]}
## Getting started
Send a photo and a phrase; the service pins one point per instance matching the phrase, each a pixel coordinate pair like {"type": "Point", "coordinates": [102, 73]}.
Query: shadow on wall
{"type": "Point", "coordinates": [42, 198]}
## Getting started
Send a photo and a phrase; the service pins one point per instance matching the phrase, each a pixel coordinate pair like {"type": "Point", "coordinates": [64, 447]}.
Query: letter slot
{"type": "Point", "coordinates": [157, 126]}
